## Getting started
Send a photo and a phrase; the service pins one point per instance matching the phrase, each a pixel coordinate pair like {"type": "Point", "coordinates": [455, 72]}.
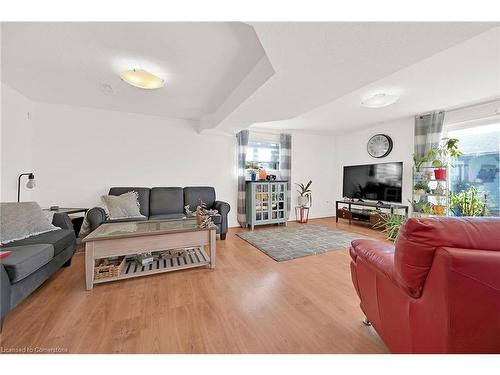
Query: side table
{"type": "Point", "coordinates": [302, 214]}
{"type": "Point", "coordinates": [76, 220]}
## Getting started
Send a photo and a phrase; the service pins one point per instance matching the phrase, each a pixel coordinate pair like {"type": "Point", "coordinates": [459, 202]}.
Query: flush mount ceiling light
{"type": "Point", "coordinates": [142, 79]}
{"type": "Point", "coordinates": [380, 100]}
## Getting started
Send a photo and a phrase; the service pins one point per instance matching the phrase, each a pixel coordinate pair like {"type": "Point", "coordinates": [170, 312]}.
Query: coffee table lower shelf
{"type": "Point", "coordinates": [193, 258]}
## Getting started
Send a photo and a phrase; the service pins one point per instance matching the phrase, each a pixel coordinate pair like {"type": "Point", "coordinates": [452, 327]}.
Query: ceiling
{"type": "Point", "coordinates": [68, 63]}
{"type": "Point", "coordinates": [278, 75]}
{"type": "Point", "coordinates": [460, 75]}
{"type": "Point", "coordinates": [320, 63]}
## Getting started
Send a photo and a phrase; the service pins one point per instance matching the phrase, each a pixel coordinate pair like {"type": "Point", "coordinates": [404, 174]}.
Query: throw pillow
{"type": "Point", "coordinates": [22, 220]}
{"type": "Point", "coordinates": [125, 206]}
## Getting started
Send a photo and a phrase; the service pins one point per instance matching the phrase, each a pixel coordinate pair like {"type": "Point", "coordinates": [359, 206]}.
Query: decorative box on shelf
{"type": "Point", "coordinates": [109, 267]}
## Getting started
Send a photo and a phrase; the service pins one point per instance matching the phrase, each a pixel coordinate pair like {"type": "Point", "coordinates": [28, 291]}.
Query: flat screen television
{"type": "Point", "coordinates": [378, 182]}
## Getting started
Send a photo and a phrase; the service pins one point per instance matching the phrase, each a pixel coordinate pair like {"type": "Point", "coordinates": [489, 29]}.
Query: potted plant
{"type": "Point", "coordinates": [438, 209]}
{"type": "Point", "coordinates": [390, 224]}
{"type": "Point", "coordinates": [422, 207]}
{"type": "Point", "coordinates": [419, 161]}
{"type": "Point", "coordinates": [421, 188]}
{"type": "Point", "coordinates": [439, 156]}
{"type": "Point", "coordinates": [305, 194]}
{"type": "Point", "coordinates": [470, 202]}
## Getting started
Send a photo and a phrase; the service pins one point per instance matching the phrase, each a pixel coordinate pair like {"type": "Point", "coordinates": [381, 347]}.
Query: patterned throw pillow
{"type": "Point", "coordinates": [22, 220]}
{"type": "Point", "coordinates": [125, 206]}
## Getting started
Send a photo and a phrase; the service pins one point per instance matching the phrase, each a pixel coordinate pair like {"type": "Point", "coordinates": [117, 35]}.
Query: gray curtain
{"type": "Point", "coordinates": [428, 131]}
{"type": "Point", "coordinates": [286, 166]}
{"type": "Point", "coordinates": [242, 138]}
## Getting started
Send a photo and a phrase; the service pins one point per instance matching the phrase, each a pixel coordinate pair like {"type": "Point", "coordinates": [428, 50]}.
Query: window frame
{"type": "Point", "coordinates": [266, 138]}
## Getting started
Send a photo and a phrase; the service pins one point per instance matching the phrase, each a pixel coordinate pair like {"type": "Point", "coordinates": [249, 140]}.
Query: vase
{"type": "Point", "coordinates": [440, 174]}
{"type": "Point", "coordinates": [302, 201]}
{"type": "Point", "coordinates": [262, 174]}
{"type": "Point", "coordinates": [199, 219]}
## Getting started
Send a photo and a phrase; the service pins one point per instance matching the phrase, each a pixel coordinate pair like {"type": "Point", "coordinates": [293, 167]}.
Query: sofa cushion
{"type": "Point", "coordinates": [60, 239]}
{"type": "Point", "coordinates": [194, 194]}
{"type": "Point", "coordinates": [419, 238]}
{"type": "Point", "coordinates": [141, 191]}
{"type": "Point", "coordinates": [22, 220]}
{"type": "Point", "coordinates": [124, 206]}
{"type": "Point", "coordinates": [25, 260]}
{"type": "Point", "coordinates": [166, 200]}
{"type": "Point", "coordinates": [167, 217]}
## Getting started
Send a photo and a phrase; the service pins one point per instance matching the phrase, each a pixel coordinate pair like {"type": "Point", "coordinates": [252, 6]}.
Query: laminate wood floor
{"type": "Point", "coordinates": [248, 304]}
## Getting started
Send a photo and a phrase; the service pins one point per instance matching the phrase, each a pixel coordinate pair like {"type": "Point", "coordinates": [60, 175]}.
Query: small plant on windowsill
{"type": "Point", "coordinates": [305, 194]}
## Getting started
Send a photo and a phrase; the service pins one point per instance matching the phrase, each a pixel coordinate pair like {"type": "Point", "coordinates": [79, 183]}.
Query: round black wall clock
{"type": "Point", "coordinates": [379, 146]}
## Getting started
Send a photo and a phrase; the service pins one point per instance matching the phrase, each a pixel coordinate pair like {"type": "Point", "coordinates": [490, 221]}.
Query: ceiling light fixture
{"type": "Point", "coordinates": [380, 100]}
{"type": "Point", "coordinates": [142, 79]}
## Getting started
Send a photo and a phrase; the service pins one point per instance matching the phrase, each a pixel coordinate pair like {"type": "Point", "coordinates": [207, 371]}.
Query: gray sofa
{"type": "Point", "coordinates": [34, 260]}
{"type": "Point", "coordinates": [164, 203]}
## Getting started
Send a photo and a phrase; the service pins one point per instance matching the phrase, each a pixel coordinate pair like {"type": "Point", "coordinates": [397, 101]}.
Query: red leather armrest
{"type": "Point", "coordinates": [379, 255]}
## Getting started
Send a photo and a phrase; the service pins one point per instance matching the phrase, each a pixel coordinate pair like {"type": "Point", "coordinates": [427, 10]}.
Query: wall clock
{"type": "Point", "coordinates": [379, 146]}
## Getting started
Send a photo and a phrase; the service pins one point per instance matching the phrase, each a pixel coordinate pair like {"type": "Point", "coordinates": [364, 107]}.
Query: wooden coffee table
{"type": "Point", "coordinates": [130, 238]}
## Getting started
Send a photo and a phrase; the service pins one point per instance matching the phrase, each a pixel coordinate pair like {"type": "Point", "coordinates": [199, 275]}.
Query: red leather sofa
{"type": "Point", "coordinates": [437, 290]}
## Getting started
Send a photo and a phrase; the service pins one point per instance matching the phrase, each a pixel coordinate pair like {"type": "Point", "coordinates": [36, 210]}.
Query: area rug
{"type": "Point", "coordinates": [285, 243]}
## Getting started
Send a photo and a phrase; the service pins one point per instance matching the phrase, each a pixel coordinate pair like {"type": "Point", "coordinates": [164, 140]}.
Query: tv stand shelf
{"type": "Point", "coordinates": [364, 211]}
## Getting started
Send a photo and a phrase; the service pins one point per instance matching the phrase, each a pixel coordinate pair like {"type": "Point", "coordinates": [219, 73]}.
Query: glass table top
{"type": "Point", "coordinates": [143, 228]}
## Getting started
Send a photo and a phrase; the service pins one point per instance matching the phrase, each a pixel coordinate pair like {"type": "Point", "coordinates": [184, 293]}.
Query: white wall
{"type": "Point", "coordinates": [350, 149]}
{"type": "Point", "coordinates": [313, 159]}
{"type": "Point", "coordinates": [81, 152]}
{"type": "Point", "coordinates": [16, 143]}
{"type": "Point", "coordinates": [78, 153]}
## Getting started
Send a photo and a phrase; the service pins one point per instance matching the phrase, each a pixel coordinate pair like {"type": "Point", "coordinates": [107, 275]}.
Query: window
{"type": "Point", "coordinates": [263, 154]}
{"type": "Point", "coordinates": [479, 165]}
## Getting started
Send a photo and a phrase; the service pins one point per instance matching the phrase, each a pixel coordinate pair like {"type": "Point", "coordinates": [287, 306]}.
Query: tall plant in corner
{"type": "Point", "coordinates": [305, 194]}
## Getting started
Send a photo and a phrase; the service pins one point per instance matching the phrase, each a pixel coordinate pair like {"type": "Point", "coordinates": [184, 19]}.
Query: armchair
{"type": "Point", "coordinates": [437, 290]}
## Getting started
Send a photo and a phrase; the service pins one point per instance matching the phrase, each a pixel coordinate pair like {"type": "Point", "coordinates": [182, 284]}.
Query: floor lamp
{"type": "Point", "coordinates": [30, 184]}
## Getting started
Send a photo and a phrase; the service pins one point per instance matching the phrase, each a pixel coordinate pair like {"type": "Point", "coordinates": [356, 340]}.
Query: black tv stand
{"type": "Point", "coordinates": [362, 211]}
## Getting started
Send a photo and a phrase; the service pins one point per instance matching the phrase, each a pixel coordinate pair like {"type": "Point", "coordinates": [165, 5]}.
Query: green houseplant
{"type": "Point", "coordinates": [390, 224]}
{"type": "Point", "coordinates": [470, 202]}
{"type": "Point", "coordinates": [422, 207]}
{"type": "Point", "coordinates": [439, 156]}
{"type": "Point", "coordinates": [305, 194]}
{"type": "Point", "coordinates": [419, 161]}
{"type": "Point", "coordinates": [421, 188]}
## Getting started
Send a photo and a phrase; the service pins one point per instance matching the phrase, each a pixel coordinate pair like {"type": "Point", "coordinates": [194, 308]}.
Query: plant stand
{"type": "Point", "coordinates": [301, 214]}
{"type": "Point", "coordinates": [434, 203]}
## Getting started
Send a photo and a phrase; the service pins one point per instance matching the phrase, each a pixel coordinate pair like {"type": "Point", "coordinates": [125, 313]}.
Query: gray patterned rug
{"type": "Point", "coordinates": [285, 243]}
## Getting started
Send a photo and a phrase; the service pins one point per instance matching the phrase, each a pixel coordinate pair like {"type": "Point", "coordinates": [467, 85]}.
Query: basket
{"type": "Point", "coordinates": [109, 267]}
